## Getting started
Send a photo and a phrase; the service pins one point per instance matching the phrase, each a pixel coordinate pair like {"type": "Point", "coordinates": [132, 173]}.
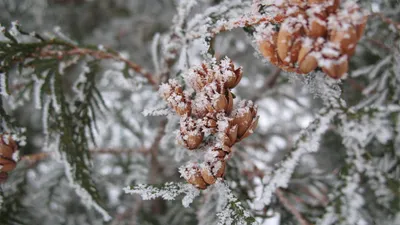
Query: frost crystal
{"type": "Point", "coordinates": [168, 191]}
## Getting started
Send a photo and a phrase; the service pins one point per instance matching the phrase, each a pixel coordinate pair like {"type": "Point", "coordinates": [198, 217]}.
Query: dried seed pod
{"type": "Point", "coordinates": [218, 168]}
{"type": "Point", "coordinates": [298, 3]}
{"type": "Point", "coordinates": [177, 99]}
{"type": "Point", "coordinates": [333, 63]}
{"type": "Point", "coordinates": [192, 175]}
{"type": "Point", "coordinates": [6, 165]}
{"type": "Point", "coordinates": [336, 68]}
{"type": "Point", "coordinates": [8, 147]}
{"type": "Point", "coordinates": [230, 136]}
{"type": "Point", "coordinates": [361, 27]}
{"type": "Point", "coordinates": [346, 39]}
{"type": "Point", "coordinates": [267, 39]}
{"type": "Point", "coordinates": [307, 61]}
{"type": "Point", "coordinates": [268, 49]}
{"type": "Point", "coordinates": [207, 175]}
{"type": "Point", "coordinates": [221, 153]}
{"type": "Point", "coordinates": [215, 102]}
{"type": "Point", "coordinates": [315, 2]}
{"type": "Point", "coordinates": [244, 116]}
{"type": "Point", "coordinates": [332, 5]}
{"type": "Point", "coordinates": [229, 75]}
{"type": "Point", "coordinates": [191, 135]}
{"type": "Point", "coordinates": [212, 170]}
{"type": "Point", "coordinates": [289, 41]}
{"type": "Point", "coordinates": [317, 25]}
{"type": "Point", "coordinates": [210, 124]}
{"type": "Point", "coordinates": [198, 181]}
{"type": "Point", "coordinates": [251, 128]}
{"type": "Point", "coordinates": [200, 76]}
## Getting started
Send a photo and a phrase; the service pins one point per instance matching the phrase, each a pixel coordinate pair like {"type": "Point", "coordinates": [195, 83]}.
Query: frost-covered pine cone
{"type": "Point", "coordinates": [212, 121]}
{"type": "Point", "coordinates": [8, 155]}
{"type": "Point", "coordinates": [310, 34]}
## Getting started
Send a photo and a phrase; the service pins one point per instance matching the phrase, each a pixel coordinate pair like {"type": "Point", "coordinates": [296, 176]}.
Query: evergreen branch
{"type": "Point", "coordinates": [73, 143]}
{"type": "Point", "coordinates": [232, 211]}
{"type": "Point", "coordinates": [12, 52]}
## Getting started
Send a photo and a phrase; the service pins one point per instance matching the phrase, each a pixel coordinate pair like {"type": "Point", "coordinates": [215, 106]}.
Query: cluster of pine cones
{"type": "Point", "coordinates": [8, 157]}
{"type": "Point", "coordinates": [305, 34]}
{"type": "Point", "coordinates": [209, 118]}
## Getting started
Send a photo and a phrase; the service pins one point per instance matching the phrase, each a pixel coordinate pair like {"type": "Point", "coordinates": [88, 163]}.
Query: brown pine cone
{"type": "Point", "coordinates": [191, 134]}
{"type": "Point", "coordinates": [289, 41]}
{"type": "Point", "coordinates": [176, 98]}
{"type": "Point", "coordinates": [8, 147]}
{"type": "Point", "coordinates": [245, 117]}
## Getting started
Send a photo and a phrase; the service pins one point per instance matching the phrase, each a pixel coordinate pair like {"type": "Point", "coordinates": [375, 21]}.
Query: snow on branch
{"type": "Point", "coordinates": [232, 210]}
{"type": "Point", "coordinates": [168, 191]}
{"type": "Point", "coordinates": [308, 142]}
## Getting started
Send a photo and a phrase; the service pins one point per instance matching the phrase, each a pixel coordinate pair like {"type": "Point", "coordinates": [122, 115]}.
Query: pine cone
{"type": "Point", "coordinates": [311, 20]}
{"type": "Point", "coordinates": [191, 134]}
{"type": "Point", "coordinates": [177, 99]}
{"type": "Point", "coordinates": [210, 171]}
{"type": "Point", "coordinates": [199, 77]}
{"type": "Point", "coordinates": [334, 63]}
{"type": "Point", "coordinates": [208, 115]}
{"type": "Point", "coordinates": [8, 147]}
{"type": "Point", "coordinates": [230, 75]}
{"type": "Point", "coordinates": [346, 39]}
{"type": "Point", "coordinates": [193, 176]}
{"type": "Point", "coordinates": [245, 118]}
{"type": "Point", "coordinates": [289, 41]}
{"type": "Point", "coordinates": [217, 102]}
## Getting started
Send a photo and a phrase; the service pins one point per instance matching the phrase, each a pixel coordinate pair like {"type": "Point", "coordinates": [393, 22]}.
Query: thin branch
{"type": "Point", "coordinates": [269, 83]}
{"type": "Point", "coordinates": [98, 54]}
{"type": "Point", "coordinates": [155, 164]}
{"type": "Point", "coordinates": [240, 22]}
{"type": "Point", "coordinates": [387, 20]}
{"type": "Point", "coordinates": [291, 208]}
{"type": "Point", "coordinates": [44, 155]}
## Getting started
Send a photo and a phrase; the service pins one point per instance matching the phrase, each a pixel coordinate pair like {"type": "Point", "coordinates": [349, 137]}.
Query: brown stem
{"type": "Point", "coordinates": [387, 20]}
{"type": "Point", "coordinates": [269, 83]}
{"type": "Point", "coordinates": [155, 164]}
{"type": "Point", "coordinates": [291, 208]}
{"type": "Point", "coordinates": [44, 155]}
{"type": "Point", "coordinates": [379, 44]}
{"type": "Point", "coordinates": [101, 55]}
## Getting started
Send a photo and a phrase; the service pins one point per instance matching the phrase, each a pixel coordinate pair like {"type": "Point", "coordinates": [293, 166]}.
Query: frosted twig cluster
{"type": "Point", "coordinates": [209, 119]}
{"type": "Point", "coordinates": [310, 34]}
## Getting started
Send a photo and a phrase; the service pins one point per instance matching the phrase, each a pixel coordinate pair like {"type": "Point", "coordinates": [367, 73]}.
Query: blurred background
{"type": "Point", "coordinates": [133, 148]}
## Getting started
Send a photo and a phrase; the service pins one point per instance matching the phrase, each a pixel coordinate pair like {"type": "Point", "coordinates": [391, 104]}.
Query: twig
{"type": "Point", "coordinates": [44, 155]}
{"type": "Point", "coordinates": [102, 55]}
{"type": "Point", "coordinates": [355, 85]}
{"type": "Point", "coordinates": [269, 83]}
{"type": "Point", "coordinates": [379, 44]}
{"type": "Point", "coordinates": [387, 20]}
{"type": "Point", "coordinates": [240, 22]}
{"type": "Point", "coordinates": [155, 164]}
{"type": "Point", "coordinates": [291, 208]}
